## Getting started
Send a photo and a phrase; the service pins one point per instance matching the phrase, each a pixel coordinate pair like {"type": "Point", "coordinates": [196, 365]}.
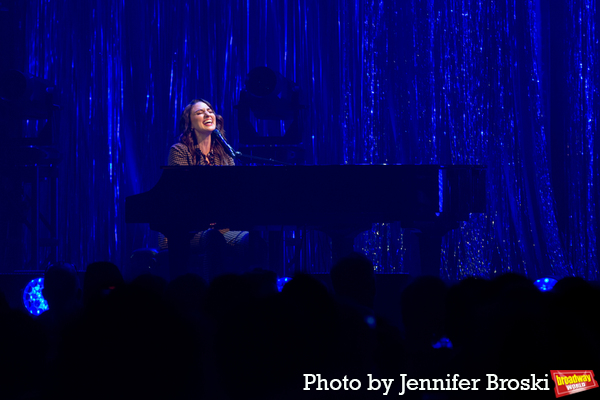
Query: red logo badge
{"type": "Point", "coordinates": [570, 381]}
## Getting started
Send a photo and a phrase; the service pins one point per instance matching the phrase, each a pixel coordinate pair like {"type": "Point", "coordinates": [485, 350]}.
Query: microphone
{"type": "Point", "coordinates": [228, 149]}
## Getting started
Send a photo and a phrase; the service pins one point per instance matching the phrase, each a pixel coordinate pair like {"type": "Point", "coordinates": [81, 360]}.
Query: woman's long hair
{"type": "Point", "coordinates": [189, 139]}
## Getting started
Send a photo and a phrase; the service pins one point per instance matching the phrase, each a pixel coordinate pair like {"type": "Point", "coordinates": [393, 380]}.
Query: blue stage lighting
{"type": "Point", "coordinates": [443, 343]}
{"type": "Point", "coordinates": [545, 284]}
{"type": "Point", "coordinates": [370, 320]}
{"type": "Point", "coordinates": [281, 282]}
{"type": "Point", "coordinates": [32, 297]}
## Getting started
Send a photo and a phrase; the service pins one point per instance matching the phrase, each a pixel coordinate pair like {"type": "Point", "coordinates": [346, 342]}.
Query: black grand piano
{"type": "Point", "coordinates": [341, 200]}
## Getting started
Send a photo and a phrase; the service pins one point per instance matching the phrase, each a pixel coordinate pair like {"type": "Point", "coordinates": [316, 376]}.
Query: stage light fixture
{"type": "Point", "coordinates": [545, 284]}
{"type": "Point", "coordinates": [263, 82]}
{"type": "Point", "coordinates": [268, 95]}
{"type": "Point", "coordinates": [33, 299]}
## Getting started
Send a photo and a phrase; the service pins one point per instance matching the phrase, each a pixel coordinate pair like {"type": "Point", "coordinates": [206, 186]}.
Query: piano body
{"type": "Point", "coordinates": [341, 200]}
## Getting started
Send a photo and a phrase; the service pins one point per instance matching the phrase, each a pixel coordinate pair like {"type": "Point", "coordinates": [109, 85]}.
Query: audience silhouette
{"type": "Point", "coordinates": [237, 337]}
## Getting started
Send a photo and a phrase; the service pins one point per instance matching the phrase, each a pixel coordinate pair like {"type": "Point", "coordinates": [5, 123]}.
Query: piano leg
{"type": "Point", "coordinates": [275, 252]}
{"type": "Point", "coordinates": [179, 253]}
{"type": "Point", "coordinates": [430, 252]}
{"type": "Point", "coordinates": [430, 244]}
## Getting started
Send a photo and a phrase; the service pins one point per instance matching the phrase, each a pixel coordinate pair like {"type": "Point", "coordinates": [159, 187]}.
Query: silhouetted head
{"type": "Point", "coordinates": [128, 345]}
{"type": "Point", "coordinates": [353, 278]}
{"type": "Point", "coordinates": [511, 285]}
{"type": "Point", "coordinates": [308, 293]}
{"type": "Point", "coordinates": [572, 285]}
{"type": "Point", "coordinates": [61, 286]}
{"type": "Point", "coordinates": [227, 295]}
{"type": "Point", "coordinates": [423, 309]}
{"type": "Point", "coordinates": [187, 292]}
{"type": "Point", "coordinates": [152, 283]}
{"type": "Point", "coordinates": [463, 305]}
{"type": "Point", "coordinates": [262, 282]}
{"type": "Point", "coordinates": [100, 278]}
{"type": "Point", "coordinates": [4, 306]}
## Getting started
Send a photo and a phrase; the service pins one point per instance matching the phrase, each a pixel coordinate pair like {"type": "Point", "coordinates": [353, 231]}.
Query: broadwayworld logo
{"type": "Point", "coordinates": [569, 382]}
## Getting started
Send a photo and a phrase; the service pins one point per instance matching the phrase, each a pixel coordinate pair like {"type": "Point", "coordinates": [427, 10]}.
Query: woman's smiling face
{"type": "Point", "coordinates": [202, 118]}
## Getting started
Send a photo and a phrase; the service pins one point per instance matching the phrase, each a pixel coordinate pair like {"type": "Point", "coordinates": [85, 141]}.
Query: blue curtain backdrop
{"type": "Point", "coordinates": [509, 84]}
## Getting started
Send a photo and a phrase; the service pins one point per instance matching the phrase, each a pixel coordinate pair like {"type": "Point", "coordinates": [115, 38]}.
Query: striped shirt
{"type": "Point", "coordinates": [179, 154]}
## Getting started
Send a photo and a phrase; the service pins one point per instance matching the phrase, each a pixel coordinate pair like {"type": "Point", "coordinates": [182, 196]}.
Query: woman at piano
{"type": "Point", "coordinates": [199, 144]}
